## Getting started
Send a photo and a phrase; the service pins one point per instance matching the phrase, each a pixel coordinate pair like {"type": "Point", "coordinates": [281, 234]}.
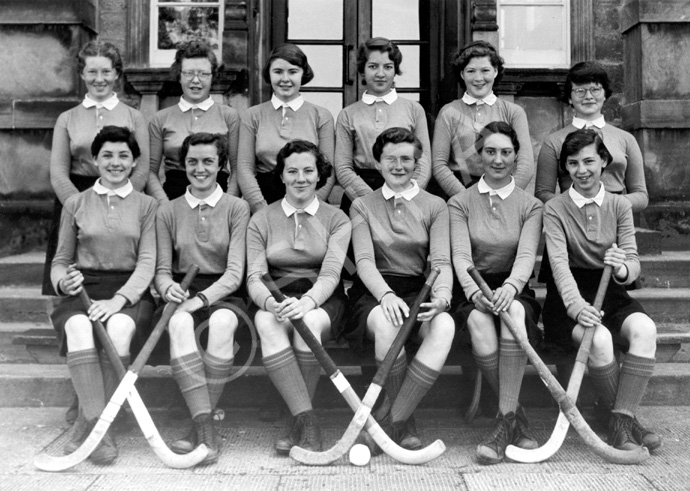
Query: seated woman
{"type": "Point", "coordinates": [301, 241]}
{"type": "Point", "coordinates": [586, 228]}
{"type": "Point", "coordinates": [205, 227]}
{"type": "Point", "coordinates": [195, 68]}
{"type": "Point", "coordinates": [399, 231]}
{"type": "Point", "coordinates": [358, 125]}
{"type": "Point", "coordinates": [107, 245]}
{"type": "Point", "coordinates": [495, 226]}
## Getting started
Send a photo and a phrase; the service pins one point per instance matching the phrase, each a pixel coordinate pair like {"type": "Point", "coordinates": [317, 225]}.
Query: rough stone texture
{"type": "Point", "coordinates": [665, 155]}
{"type": "Point", "coordinates": [26, 155]}
{"type": "Point", "coordinates": [666, 61]}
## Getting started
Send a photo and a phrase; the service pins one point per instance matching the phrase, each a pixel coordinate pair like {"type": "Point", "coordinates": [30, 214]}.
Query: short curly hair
{"type": "Point", "coordinates": [323, 166]}
{"type": "Point", "coordinates": [293, 55]}
{"type": "Point", "coordinates": [579, 139]}
{"type": "Point", "coordinates": [191, 50]}
{"type": "Point", "coordinates": [396, 135]}
{"type": "Point", "coordinates": [384, 46]}
{"type": "Point", "coordinates": [586, 72]}
{"type": "Point", "coordinates": [100, 48]}
{"type": "Point", "coordinates": [497, 127]}
{"type": "Point", "coordinates": [115, 134]}
{"type": "Point", "coordinates": [477, 49]}
{"type": "Point", "coordinates": [204, 138]}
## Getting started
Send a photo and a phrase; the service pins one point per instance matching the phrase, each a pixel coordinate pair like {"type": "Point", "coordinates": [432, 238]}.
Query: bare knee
{"type": "Point", "coordinates": [273, 334]}
{"type": "Point", "coordinates": [121, 329]}
{"type": "Point", "coordinates": [222, 325]}
{"type": "Point", "coordinates": [601, 352]}
{"type": "Point", "coordinates": [482, 332]}
{"type": "Point", "coordinates": [79, 333]}
{"type": "Point", "coordinates": [640, 332]}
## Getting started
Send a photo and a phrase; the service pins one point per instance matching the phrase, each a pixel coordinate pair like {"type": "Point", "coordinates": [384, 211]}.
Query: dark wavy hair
{"type": "Point", "coordinates": [191, 50]}
{"type": "Point", "coordinates": [115, 134]}
{"type": "Point", "coordinates": [396, 135]}
{"type": "Point", "coordinates": [384, 46]}
{"type": "Point", "coordinates": [497, 127]}
{"type": "Point", "coordinates": [586, 72]}
{"type": "Point", "coordinates": [323, 166]}
{"type": "Point", "coordinates": [293, 55]}
{"type": "Point", "coordinates": [203, 138]}
{"type": "Point", "coordinates": [477, 49]}
{"type": "Point", "coordinates": [100, 48]}
{"type": "Point", "coordinates": [579, 139]}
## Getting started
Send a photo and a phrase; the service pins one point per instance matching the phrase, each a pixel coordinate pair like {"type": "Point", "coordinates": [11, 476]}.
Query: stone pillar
{"type": "Point", "coordinates": [657, 99]}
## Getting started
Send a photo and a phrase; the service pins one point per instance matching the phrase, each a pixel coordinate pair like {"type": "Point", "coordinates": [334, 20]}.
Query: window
{"type": "Point", "coordinates": [175, 22]}
{"type": "Point", "coordinates": [534, 33]}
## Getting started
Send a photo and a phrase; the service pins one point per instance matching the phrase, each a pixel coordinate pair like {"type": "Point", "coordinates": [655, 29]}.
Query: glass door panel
{"type": "Point", "coordinates": [395, 19]}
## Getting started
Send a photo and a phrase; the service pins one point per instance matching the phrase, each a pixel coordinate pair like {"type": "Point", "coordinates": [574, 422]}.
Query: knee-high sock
{"type": "Point", "coordinates": [87, 377]}
{"type": "Point", "coordinates": [285, 374]}
{"type": "Point", "coordinates": [188, 371]}
{"type": "Point", "coordinates": [511, 371]}
{"type": "Point", "coordinates": [217, 373]}
{"type": "Point", "coordinates": [110, 378]}
{"type": "Point", "coordinates": [311, 370]}
{"type": "Point", "coordinates": [605, 381]}
{"type": "Point", "coordinates": [488, 365]}
{"type": "Point", "coordinates": [395, 377]}
{"type": "Point", "coordinates": [635, 373]}
{"type": "Point", "coordinates": [418, 381]}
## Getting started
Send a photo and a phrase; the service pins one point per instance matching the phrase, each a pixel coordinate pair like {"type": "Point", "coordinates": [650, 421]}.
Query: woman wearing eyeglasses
{"type": "Point", "coordinates": [586, 89]}
{"type": "Point", "coordinates": [194, 67]}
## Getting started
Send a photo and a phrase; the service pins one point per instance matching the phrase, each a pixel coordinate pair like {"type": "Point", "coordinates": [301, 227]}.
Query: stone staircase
{"type": "Point", "coordinates": [32, 374]}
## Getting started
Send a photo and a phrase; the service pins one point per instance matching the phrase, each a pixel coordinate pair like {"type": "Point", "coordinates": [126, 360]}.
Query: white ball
{"type": "Point", "coordinates": [359, 454]}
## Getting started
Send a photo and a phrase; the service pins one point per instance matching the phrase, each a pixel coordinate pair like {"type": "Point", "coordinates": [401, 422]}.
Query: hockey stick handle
{"type": "Point", "coordinates": [104, 338]}
{"type": "Point", "coordinates": [566, 403]}
{"type": "Point", "coordinates": [162, 324]}
{"type": "Point", "coordinates": [586, 342]}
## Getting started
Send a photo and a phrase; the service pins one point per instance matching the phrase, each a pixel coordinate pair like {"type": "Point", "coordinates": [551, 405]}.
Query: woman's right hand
{"type": "Point", "coordinates": [176, 294]}
{"type": "Point", "coordinates": [395, 310]}
{"type": "Point", "coordinates": [481, 303]}
{"type": "Point", "coordinates": [589, 317]}
{"type": "Point", "coordinates": [71, 283]}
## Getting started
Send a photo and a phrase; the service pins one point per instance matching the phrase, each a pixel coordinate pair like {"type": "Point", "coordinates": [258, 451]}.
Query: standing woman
{"type": "Point", "coordinates": [358, 125]}
{"type": "Point", "coordinates": [108, 246]}
{"type": "Point", "coordinates": [301, 241]}
{"type": "Point", "coordinates": [586, 228]}
{"type": "Point", "coordinates": [456, 163]}
{"type": "Point", "coordinates": [194, 67]}
{"type": "Point", "coordinates": [586, 89]}
{"type": "Point", "coordinates": [496, 227]}
{"type": "Point", "coordinates": [399, 232]}
{"type": "Point", "coordinates": [71, 162]}
{"type": "Point", "coordinates": [205, 227]}
{"type": "Point", "coordinates": [266, 128]}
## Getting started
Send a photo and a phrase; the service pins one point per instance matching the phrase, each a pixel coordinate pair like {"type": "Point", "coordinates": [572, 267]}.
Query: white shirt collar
{"type": "Point", "coordinates": [583, 123]}
{"type": "Point", "coordinates": [408, 194]}
{"type": "Point", "coordinates": [290, 210]}
{"type": "Point", "coordinates": [109, 103]}
{"type": "Point", "coordinates": [211, 201]}
{"type": "Point", "coordinates": [294, 104]}
{"type": "Point", "coordinates": [581, 201]}
{"type": "Point", "coordinates": [185, 105]}
{"type": "Point", "coordinates": [489, 99]}
{"type": "Point", "coordinates": [122, 191]}
{"type": "Point", "coordinates": [389, 98]}
{"type": "Point", "coordinates": [502, 193]}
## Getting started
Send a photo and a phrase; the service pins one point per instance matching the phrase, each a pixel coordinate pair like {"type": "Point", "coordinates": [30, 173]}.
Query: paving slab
{"type": "Point", "coordinates": [247, 461]}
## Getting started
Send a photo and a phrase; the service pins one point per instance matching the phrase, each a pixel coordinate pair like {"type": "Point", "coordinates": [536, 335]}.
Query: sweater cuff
{"type": "Point", "coordinates": [575, 309]}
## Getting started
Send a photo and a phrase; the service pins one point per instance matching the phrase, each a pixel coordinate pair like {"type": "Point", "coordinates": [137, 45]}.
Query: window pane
{"type": "Point", "coordinates": [410, 67]}
{"type": "Point", "coordinates": [177, 25]}
{"type": "Point", "coordinates": [309, 19]}
{"type": "Point", "coordinates": [532, 2]}
{"type": "Point", "coordinates": [534, 36]}
{"type": "Point", "coordinates": [413, 96]}
{"type": "Point", "coordinates": [333, 101]}
{"type": "Point", "coordinates": [327, 64]}
{"type": "Point", "coordinates": [395, 19]}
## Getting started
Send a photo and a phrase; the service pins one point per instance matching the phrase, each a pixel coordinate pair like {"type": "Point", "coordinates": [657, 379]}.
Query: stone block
{"type": "Point", "coordinates": [50, 12]}
{"type": "Point", "coordinates": [40, 114]}
{"type": "Point", "coordinates": [26, 157]}
{"type": "Point", "coordinates": [666, 61]}
{"type": "Point", "coordinates": [665, 155]}
{"type": "Point", "coordinates": [38, 62]}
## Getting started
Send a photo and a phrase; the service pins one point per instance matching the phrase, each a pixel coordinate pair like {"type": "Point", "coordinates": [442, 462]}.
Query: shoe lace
{"type": "Point", "coordinates": [624, 427]}
{"type": "Point", "coordinates": [204, 431]}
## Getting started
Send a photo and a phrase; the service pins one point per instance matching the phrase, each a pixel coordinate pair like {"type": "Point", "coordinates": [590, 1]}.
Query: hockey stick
{"type": "Point", "coordinates": [567, 405]}
{"type": "Point", "coordinates": [51, 463]}
{"type": "Point", "coordinates": [561, 429]}
{"type": "Point", "coordinates": [362, 408]}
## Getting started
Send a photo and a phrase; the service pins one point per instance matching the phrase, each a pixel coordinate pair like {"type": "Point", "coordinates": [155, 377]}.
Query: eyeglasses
{"type": "Point", "coordinates": [595, 91]}
{"type": "Point", "coordinates": [190, 74]}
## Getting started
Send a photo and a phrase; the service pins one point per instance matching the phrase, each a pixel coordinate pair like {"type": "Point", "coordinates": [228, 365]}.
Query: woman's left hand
{"type": "Point", "coordinates": [101, 310]}
{"type": "Point", "coordinates": [294, 308]}
{"type": "Point", "coordinates": [190, 305]}
{"type": "Point", "coordinates": [503, 297]}
{"type": "Point", "coordinates": [615, 257]}
{"type": "Point", "coordinates": [432, 309]}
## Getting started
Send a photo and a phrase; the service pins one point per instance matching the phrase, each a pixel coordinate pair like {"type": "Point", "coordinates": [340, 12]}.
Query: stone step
{"type": "Point", "coordinates": [22, 269]}
{"type": "Point", "coordinates": [33, 385]}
